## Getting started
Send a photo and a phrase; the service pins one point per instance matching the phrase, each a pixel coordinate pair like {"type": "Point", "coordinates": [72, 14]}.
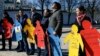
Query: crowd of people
{"type": "Point", "coordinates": [31, 31]}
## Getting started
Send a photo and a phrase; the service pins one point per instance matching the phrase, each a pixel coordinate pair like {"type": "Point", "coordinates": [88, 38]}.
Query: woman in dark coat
{"type": "Point", "coordinates": [81, 16]}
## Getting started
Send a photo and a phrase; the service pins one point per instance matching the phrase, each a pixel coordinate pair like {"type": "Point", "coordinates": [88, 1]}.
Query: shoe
{"type": "Point", "coordinates": [20, 50]}
{"type": "Point", "coordinates": [3, 49]}
{"type": "Point", "coordinates": [31, 53]}
{"type": "Point", "coordinates": [28, 53]}
{"type": "Point", "coordinates": [16, 48]}
{"type": "Point", "coordinates": [10, 49]}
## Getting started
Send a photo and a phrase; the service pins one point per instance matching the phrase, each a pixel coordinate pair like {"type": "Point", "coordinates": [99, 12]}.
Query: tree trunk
{"type": "Point", "coordinates": [69, 10]}
{"type": "Point", "coordinates": [42, 6]}
{"type": "Point", "coordinates": [92, 15]}
{"type": "Point", "coordinates": [69, 15]}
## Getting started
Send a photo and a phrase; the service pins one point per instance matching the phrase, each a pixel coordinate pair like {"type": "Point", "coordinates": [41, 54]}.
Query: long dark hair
{"type": "Point", "coordinates": [6, 13]}
{"type": "Point", "coordinates": [82, 8]}
{"type": "Point", "coordinates": [8, 17]}
{"type": "Point", "coordinates": [49, 12]}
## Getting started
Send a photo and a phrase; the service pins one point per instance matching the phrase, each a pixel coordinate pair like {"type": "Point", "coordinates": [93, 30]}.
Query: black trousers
{"type": "Point", "coordinates": [81, 53]}
{"type": "Point", "coordinates": [45, 51]}
{"type": "Point", "coordinates": [23, 44]}
{"type": "Point", "coordinates": [3, 42]}
{"type": "Point", "coordinates": [32, 47]}
{"type": "Point", "coordinates": [47, 46]}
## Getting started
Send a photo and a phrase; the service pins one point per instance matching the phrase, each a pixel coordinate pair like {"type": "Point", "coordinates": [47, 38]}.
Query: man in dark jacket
{"type": "Point", "coordinates": [56, 19]}
{"type": "Point", "coordinates": [55, 22]}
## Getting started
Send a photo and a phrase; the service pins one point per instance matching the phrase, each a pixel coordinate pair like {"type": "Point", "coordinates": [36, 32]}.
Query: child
{"type": "Point", "coordinates": [40, 37]}
{"type": "Point", "coordinates": [29, 30]}
{"type": "Point", "coordinates": [7, 32]}
{"type": "Point", "coordinates": [17, 34]}
{"type": "Point", "coordinates": [74, 39]}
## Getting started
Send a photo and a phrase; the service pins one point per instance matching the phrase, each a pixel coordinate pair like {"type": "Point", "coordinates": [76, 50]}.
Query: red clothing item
{"type": "Point", "coordinates": [40, 35]}
{"type": "Point", "coordinates": [91, 39]}
{"type": "Point", "coordinates": [80, 18]}
{"type": "Point", "coordinates": [7, 28]}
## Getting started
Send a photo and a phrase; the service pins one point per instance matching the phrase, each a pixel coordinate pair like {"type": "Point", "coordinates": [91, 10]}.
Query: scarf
{"type": "Point", "coordinates": [80, 18]}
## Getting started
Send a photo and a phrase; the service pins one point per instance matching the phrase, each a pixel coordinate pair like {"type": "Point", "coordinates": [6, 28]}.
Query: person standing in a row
{"type": "Point", "coordinates": [55, 22]}
{"type": "Point", "coordinates": [10, 20]}
{"type": "Point", "coordinates": [56, 19]}
{"type": "Point", "coordinates": [22, 20]}
{"type": "Point", "coordinates": [29, 29]}
{"type": "Point", "coordinates": [34, 17]}
{"type": "Point", "coordinates": [81, 16]}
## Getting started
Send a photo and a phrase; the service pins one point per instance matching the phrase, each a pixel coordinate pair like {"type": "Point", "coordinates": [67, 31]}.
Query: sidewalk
{"type": "Point", "coordinates": [14, 53]}
{"type": "Point", "coordinates": [14, 45]}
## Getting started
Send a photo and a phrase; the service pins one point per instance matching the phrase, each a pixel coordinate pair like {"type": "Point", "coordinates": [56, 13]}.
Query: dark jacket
{"type": "Point", "coordinates": [56, 22]}
{"type": "Point", "coordinates": [10, 20]}
{"type": "Point", "coordinates": [35, 17]}
{"type": "Point", "coordinates": [45, 22]}
{"type": "Point", "coordinates": [22, 20]}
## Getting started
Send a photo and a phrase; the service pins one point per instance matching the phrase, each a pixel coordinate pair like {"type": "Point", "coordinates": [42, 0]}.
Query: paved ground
{"type": "Point", "coordinates": [14, 53]}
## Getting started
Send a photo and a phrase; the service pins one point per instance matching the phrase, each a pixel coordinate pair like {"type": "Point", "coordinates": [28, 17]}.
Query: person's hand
{"type": "Point", "coordinates": [46, 32]}
{"type": "Point", "coordinates": [11, 35]}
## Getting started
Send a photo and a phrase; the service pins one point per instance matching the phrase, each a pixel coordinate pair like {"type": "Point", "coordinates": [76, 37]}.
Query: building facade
{"type": "Point", "coordinates": [15, 4]}
{"type": "Point", "coordinates": [9, 4]}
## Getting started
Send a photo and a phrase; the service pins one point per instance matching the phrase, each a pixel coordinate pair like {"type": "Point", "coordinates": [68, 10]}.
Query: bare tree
{"type": "Point", "coordinates": [70, 6]}
{"type": "Point", "coordinates": [41, 4]}
{"type": "Point", "coordinates": [44, 3]}
{"type": "Point", "coordinates": [63, 4]}
{"type": "Point", "coordinates": [48, 3]}
{"type": "Point", "coordinates": [92, 6]}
